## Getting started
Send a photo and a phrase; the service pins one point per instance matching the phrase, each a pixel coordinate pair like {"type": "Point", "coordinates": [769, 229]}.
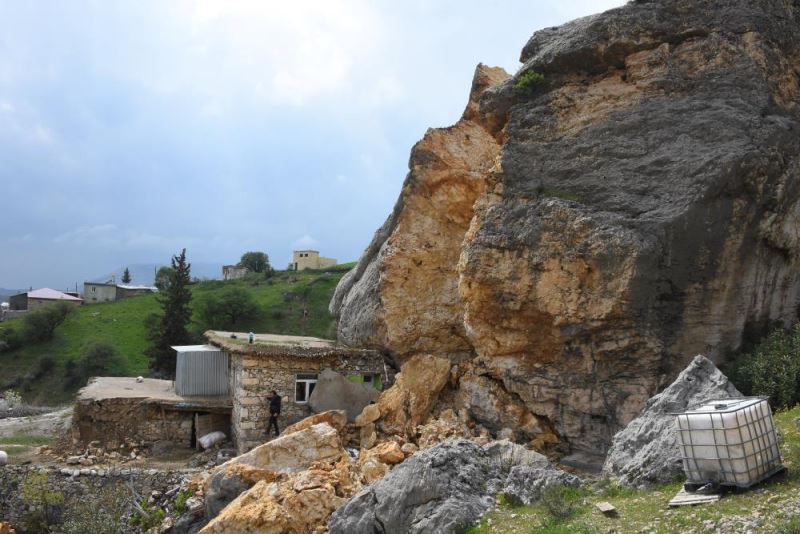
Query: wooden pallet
{"type": "Point", "coordinates": [684, 498]}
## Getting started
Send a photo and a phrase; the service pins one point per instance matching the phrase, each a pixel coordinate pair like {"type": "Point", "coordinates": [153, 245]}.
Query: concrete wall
{"type": "Point", "coordinates": [94, 293]}
{"type": "Point", "coordinates": [18, 302]}
{"type": "Point", "coordinates": [253, 377]}
{"type": "Point", "coordinates": [310, 259]}
{"type": "Point", "coordinates": [37, 304]}
{"type": "Point", "coordinates": [233, 272]}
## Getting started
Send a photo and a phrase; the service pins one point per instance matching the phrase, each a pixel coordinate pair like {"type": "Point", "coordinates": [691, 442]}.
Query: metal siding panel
{"type": "Point", "coordinates": [202, 373]}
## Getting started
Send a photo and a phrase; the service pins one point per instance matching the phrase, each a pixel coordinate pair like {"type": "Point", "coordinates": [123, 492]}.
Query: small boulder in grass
{"type": "Point", "coordinates": [3, 458]}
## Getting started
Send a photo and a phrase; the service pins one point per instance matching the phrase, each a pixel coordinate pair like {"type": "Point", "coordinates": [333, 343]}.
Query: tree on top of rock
{"type": "Point", "coordinates": [169, 328]}
{"type": "Point", "coordinates": [126, 276]}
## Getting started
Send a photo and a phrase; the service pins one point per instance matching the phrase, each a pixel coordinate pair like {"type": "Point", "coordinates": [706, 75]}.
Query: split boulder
{"type": "Point", "coordinates": [288, 453]}
{"type": "Point", "coordinates": [336, 392]}
{"type": "Point", "coordinates": [646, 451]}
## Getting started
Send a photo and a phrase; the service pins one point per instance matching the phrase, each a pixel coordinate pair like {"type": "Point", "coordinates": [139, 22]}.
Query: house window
{"type": "Point", "coordinates": [304, 384]}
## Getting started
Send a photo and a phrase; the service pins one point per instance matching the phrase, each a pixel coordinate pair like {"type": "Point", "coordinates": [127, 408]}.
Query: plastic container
{"type": "Point", "coordinates": [730, 442]}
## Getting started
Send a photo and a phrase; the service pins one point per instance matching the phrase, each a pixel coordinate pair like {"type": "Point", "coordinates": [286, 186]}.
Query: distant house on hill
{"type": "Point", "coordinates": [38, 298]}
{"type": "Point", "coordinates": [310, 259]}
{"type": "Point", "coordinates": [233, 272]}
{"type": "Point", "coordinates": [96, 292]}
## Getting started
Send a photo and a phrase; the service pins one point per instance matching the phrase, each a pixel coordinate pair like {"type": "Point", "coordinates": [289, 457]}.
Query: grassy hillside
{"type": "Point", "coordinates": [771, 506]}
{"type": "Point", "coordinates": [289, 303]}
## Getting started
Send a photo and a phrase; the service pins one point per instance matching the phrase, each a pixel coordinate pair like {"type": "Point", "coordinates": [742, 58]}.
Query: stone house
{"type": "Point", "coordinates": [38, 298]}
{"type": "Point", "coordinates": [147, 411]}
{"type": "Point", "coordinates": [96, 292]}
{"type": "Point", "coordinates": [290, 365]}
{"type": "Point", "coordinates": [310, 259]}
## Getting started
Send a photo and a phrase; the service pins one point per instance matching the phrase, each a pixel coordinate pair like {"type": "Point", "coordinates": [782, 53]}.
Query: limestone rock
{"type": "Point", "coordinates": [372, 469]}
{"type": "Point", "coordinates": [408, 402]}
{"type": "Point", "coordinates": [525, 484]}
{"type": "Point", "coordinates": [506, 453]}
{"type": "Point", "coordinates": [297, 503]}
{"type": "Point", "coordinates": [335, 392]}
{"type": "Point", "coordinates": [441, 428]}
{"type": "Point", "coordinates": [5, 528]}
{"type": "Point", "coordinates": [437, 490]}
{"type": "Point", "coordinates": [388, 452]}
{"type": "Point", "coordinates": [367, 436]}
{"type": "Point", "coordinates": [409, 449]}
{"type": "Point", "coordinates": [286, 454]}
{"type": "Point", "coordinates": [335, 418]}
{"type": "Point", "coordinates": [646, 451]}
{"type": "Point", "coordinates": [583, 237]}
{"type": "Point", "coordinates": [369, 414]}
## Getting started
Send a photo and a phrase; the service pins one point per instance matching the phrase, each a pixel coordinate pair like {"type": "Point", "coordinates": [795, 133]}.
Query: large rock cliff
{"type": "Point", "coordinates": [574, 242]}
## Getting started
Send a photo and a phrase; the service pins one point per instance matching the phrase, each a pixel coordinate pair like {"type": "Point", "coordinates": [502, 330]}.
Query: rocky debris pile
{"type": "Point", "coordinates": [576, 235]}
{"type": "Point", "coordinates": [646, 451]}
{"type": "Point", "coordinates": [446, 488]}
{"type": "Point", "coordinates": [94, 453]}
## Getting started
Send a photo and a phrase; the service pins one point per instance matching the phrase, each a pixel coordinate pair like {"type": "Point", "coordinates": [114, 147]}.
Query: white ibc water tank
{"type": "Point", "coordinates": [729, 442]}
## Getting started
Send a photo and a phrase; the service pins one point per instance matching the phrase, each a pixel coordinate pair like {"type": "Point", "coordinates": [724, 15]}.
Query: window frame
{"type": "Point", "coordinates": [309, 385]}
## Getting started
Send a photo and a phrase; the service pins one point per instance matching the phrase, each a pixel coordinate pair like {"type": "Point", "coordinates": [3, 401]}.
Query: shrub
{"type": "Point", "coordinates": [528, 82]}
{"type": "Point", "coordinates": [9, 340]}
{"type": "Point", "coordinates": [102, 514]}
{"type": "Point", "coordinates": [99, 359]}
{"type": "Point", "coordinates": [229, 308]}
{"type": "Point", "coordinates": [772, 368]}
{"type": "Point", "coordinates": [46, 364]}
{"type": "Point", "coordinates": [44, 504]}
{"type": "Point", "coordinates": [40, 325]}
{"type": "Point", "coordinates": [560, 502]}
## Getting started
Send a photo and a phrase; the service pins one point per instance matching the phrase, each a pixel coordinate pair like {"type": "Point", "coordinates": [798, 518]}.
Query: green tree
{"type": "Point", "coordinates": [169, 328]}
{"type": "Point", "coordinates": [40, 325]}
{"type": "Point", "coordinates": [163, 276]}
{"type": "Point", "coordinates": [256, 262]}
{"type": "Point", "coordinates": [226, 310]}
{"type": "Point", "coordinates": [126, 276]}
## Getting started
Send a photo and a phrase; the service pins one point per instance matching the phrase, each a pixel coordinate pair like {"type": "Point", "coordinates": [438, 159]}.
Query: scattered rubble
{"type": "Point", "coordinates": [646, 451]}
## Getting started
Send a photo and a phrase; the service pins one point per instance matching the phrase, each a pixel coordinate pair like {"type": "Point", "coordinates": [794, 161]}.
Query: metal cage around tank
{"type": "Point", "coordinates": [730, 442]}
{"type": "Point", "coordinates": [201, 370]}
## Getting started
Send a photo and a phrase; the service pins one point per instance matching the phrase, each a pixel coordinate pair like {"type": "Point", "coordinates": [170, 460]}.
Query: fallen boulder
{"type": "Point", "coordinates": [646, 451]}
{"type": "Point", "coordinates": [286, 454]}
{"type": "Point", "coordinates": [335, 392]}
{"type": "Point", "coordinates": [444, 489]}
{"type": "Point", "coordinates": [297, 503]}
{"type": "Point", "coordinates": [409, 401]}
{"type": "Point", "coordinates": [336, 418]}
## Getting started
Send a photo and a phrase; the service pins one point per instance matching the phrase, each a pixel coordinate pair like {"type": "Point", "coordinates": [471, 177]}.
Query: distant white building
{"type": "Point", "coordinates": [233, 272]}
{"type": "Point", "coordinates": [96, 292]}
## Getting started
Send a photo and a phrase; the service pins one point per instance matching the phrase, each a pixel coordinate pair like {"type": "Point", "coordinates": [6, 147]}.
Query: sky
{"type": "Point", "coordinates": [130, 130]}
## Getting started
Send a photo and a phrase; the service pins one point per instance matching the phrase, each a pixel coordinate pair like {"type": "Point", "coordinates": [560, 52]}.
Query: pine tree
{"type": "Point", "coordinates": [126, 276]}
{"type": "Point", "coordinates": [170, 328]}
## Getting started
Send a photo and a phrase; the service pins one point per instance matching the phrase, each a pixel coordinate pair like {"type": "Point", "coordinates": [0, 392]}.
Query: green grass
{"type": "Point", "coordinates": [16, 446]}
{"type": "Point", "coordinates": [294, 303]}
{"type": "Point", "coordinates": [647, 508]}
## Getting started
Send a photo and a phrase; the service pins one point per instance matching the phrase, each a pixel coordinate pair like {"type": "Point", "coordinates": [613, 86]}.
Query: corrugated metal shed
{"type": "Point", "coordinates": [201, 370]}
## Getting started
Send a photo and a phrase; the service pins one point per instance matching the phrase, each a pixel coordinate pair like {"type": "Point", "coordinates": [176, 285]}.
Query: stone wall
{"type": "Point", "coordinates": [87, 487]}
{"type": "Point", "coordinates": [115, 420]}
{"type": "Point", "coordinates": [253, 377]}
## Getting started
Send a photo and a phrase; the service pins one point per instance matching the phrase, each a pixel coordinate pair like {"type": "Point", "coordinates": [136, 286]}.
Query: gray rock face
{"type": "Point", "coordinates": [636, 207]}
{"type": "Point", "coordinates": [335, 392]}
{"type": "Point", "coordinates": [646, 451]}
{"type": "Point", "coordinates": [222, 490]}
{"type": "Point", "coordinates": [526, 484]}
{"type": "Point", "coordinates": [444, 489]}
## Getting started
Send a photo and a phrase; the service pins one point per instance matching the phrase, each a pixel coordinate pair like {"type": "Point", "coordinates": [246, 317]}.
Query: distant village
{"type": "Point", "coordinates": [110, 290]}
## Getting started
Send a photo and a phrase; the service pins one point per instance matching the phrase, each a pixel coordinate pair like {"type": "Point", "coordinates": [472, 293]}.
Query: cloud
{"type": "Point", "coordinates": [305, 242]}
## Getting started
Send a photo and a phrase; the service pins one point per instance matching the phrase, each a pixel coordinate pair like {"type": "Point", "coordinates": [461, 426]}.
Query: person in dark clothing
{"type": "Point", "coordinates": [274, 412]}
